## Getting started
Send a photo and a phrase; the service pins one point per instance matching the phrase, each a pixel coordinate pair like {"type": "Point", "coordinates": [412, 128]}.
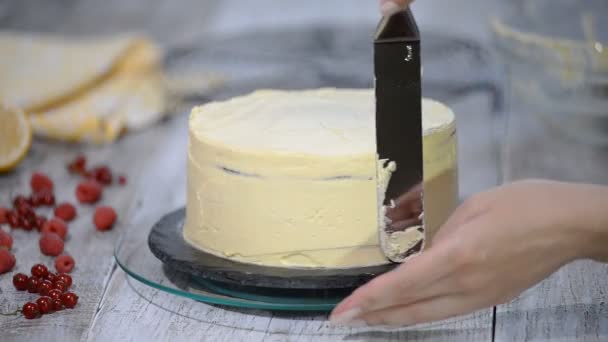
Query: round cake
{"type": "Point", "coordinates": [289, 178]}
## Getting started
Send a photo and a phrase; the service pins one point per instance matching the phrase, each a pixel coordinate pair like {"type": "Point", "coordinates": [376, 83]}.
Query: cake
{"type": "Point", "coordinates": [290, 178]}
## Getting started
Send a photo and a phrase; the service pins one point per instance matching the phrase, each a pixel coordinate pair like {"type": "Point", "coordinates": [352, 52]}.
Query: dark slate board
{"type": "Point", "coordinates": [167, 244]}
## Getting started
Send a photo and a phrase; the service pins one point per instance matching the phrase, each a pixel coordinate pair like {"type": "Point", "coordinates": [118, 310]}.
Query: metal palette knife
{"type": "Point", "coordinates": [399, 132]}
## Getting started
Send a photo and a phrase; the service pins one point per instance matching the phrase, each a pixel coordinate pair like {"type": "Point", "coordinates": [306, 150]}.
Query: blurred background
{"type": "Point", "coordinates": [544, 60]}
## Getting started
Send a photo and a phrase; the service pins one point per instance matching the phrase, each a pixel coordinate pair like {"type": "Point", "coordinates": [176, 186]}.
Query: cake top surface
{"type": "Point", "coordinates": [323, 121]}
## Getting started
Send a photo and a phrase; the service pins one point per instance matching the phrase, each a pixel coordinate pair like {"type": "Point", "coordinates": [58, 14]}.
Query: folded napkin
{"type": "Point", "coordinates": [85, 90]}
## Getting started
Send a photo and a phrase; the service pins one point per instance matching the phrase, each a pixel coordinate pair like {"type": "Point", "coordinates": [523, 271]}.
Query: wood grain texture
{"type": "Point", "coordinates": [92, 250]}
{"type": "Point", "coordinates": [572, 304]}
{"type": "Point", "coordinates": [115, 307]}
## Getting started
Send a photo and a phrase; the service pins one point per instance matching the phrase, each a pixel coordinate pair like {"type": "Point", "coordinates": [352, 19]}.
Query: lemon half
{"type": "Point", "coordinates": [15, 137]}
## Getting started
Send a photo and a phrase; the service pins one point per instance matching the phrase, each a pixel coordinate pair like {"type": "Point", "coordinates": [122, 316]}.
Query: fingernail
{"type": "Point", "coordinates": [389, 8]}
{"type": "Point", "coordinates": [346, 318]}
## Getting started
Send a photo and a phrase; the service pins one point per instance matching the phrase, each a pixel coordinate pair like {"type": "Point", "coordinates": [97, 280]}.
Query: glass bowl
{"type": "Point", "coordinates": [555, 55]}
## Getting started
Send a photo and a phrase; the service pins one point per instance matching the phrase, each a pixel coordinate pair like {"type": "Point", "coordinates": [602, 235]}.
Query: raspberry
{"type": "Point", "coordinates": [40, 221]}
{"type": "Point", "coordinates": [3, 212]}
{"type": "Point", "coordinates": [40, 181]}
{"type": "Point", "coordinates": [88, 191]}
{"type": "Point", "coordinates": [104, 218]}
{"type": "Point", "coordinates": [65, 211]}
{"type": "Point", "coordinates": [57, 226]}
{"type": "Point", "coordinates": [6, 240]}
{"type": "Point", "coordinates": [51, 244]}
{"type": "Point", "coordinates": [7, 260]}
{"type": "Point", "coordinates": [103, 175]}
{"type": "Point", "coordinates": [64, 264]}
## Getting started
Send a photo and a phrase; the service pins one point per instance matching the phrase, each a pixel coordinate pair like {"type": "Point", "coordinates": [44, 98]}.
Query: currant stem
{"type": "Point", "coordinates": [14, 313]}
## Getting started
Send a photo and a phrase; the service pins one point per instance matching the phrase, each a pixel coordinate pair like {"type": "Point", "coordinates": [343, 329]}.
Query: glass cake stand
{"type": "Point", "coordinates": [237, 283]}
{"type": "Point", "coordinates": [157, 282]}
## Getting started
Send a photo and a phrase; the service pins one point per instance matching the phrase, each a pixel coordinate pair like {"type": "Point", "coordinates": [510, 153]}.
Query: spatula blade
{"type": "Point", "coordinates": [399, 133]}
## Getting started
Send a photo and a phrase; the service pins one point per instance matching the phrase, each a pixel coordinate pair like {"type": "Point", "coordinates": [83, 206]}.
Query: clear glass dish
{"type": "Point", "coordinates": [555, 55]}
{"type": "Point", "coordinates": [135, 258]}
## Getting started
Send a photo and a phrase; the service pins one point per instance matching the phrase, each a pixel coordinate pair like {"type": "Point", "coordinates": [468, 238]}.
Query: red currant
{"type": "Point", "coordinates": [20, 221]}
{"type": "Point", "coordinates": [40, 271]}
{"type": "Point", "coordinates": [3, 212]}
{"type": "Point", "coordinates": [37, 199]}
{"type": "Point", "coordinates": [44, 287]}
{"type": "Point", "coordinates": [103, 175]}
{"type": "Point", "coordinates": [55, 294]}
{"type": "Point", "coordinates": [59, 285]}
{"type": "Point", "coordinates": [45, 304]}
{"type": "Point", "coordinates": [24, 209]}
{"type": "Point", "coordinates": [30, 310]}
{"type": "Point", "coordinates": [29, 222]}
{"type": "Point", "coordinates": [69, 299]}
{"type": "Point", "coordinates": [48, 198]}
{"type": "Point", "coordinates": [19, 201]}
{"type": "Point", "coordinates": [65, 278]}
{"type": "Point", "coordinates": [57, 305]}
{"type": "Point", "coordinates": [52, 277]}
{"type": "Point", "coordinates": [122, 180]}
{"type": "Point", "coordinates": [13, 219]}
{"type": "Point", "coordinates": [20, 281]}
{"type": "Point", "coordinates": [78, 164]}
{"type": "Point", "coordinates": [32, 284]}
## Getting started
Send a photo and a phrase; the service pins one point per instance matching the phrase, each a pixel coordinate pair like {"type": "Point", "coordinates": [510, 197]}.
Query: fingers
{"type": "Point", "coordinates": [417, 279]}
{"type": "Point", "coordinates": [407, 206]}
{"type": "Point", "coordinates": [390, 7]}
{"type": "Point", "coordinates": [402, 225]}
{"type": "Point", "coordinates": [433, 309]}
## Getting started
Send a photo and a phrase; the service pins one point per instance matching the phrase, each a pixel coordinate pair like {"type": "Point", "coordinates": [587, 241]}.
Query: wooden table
{"type": "Point", "coordinates": [568, 306]}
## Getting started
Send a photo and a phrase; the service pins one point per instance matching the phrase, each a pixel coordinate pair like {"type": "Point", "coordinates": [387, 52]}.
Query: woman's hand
{"type": "Point", "coordinates": [390, 7]}
{"type": "Point", "coordinates": [493, 247]}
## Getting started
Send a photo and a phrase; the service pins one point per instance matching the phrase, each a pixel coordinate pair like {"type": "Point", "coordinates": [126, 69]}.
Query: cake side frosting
{"type": "Point", "coordinates": [288, 178]}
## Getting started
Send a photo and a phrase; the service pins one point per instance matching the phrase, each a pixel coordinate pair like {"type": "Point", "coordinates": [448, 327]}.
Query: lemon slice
{"type": "Point", "coordinates": [15, 137]}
